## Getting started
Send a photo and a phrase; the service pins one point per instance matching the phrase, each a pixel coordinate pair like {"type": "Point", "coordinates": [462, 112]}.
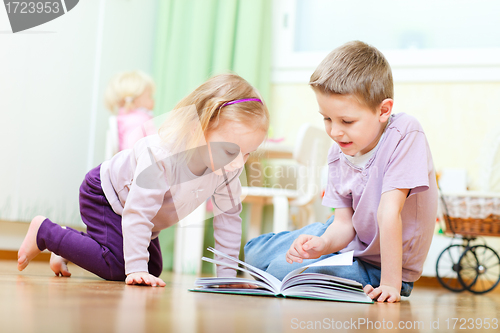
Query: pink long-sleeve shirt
{"type": "Point", "coordinates": [152, 190]}
{"type": "Point", "coordinates": [129, 126]}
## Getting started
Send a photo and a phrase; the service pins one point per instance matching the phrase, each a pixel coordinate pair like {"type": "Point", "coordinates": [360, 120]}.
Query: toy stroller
{"type": "Point", "coordinates": [469, 263]}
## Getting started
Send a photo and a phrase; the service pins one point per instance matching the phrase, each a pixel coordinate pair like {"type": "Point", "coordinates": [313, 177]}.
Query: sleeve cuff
{"type": "Point", "coordinates": [135, 267]}
{"type": "Point", "coordinates": [225, 272]}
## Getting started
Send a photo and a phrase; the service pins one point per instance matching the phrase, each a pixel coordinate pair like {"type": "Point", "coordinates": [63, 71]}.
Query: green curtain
{"type": "Point", "coordinates": [197, 39]}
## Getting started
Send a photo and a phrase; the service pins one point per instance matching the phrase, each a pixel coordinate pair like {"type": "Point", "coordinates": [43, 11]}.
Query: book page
{"type": "Point", "coordinates": [318, 278]}
{"type": "Point", "coordinates": [257, 277]}
{"type": "Point", "coordinates": [215, 281]}
{"type": "Point", "coordinates": [274, 283]}
{"type": "Point", "coordinates": [342, 259]}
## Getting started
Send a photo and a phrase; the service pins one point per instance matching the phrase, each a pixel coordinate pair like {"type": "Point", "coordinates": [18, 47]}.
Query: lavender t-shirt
{"type": "Point", "coordinates": [402, 160]}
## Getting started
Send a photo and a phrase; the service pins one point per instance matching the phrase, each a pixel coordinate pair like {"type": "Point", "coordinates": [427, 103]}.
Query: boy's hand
{"type": "Point", "coordinates": [383, 293]}
{"type": "Point", "coordinates": [306, 247]}
{"type": "Point", "coordinates": [144, 278]}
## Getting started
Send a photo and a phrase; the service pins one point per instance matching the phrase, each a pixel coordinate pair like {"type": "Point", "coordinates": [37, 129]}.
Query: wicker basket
{"type": "Point", "coordinates": [472, 213]}
{"type": "Point", "coordinates": [489, 226]}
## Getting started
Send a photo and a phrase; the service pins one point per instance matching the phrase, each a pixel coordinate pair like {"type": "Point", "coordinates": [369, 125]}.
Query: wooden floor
{"type": "Point", "coordinates": [37, 301]}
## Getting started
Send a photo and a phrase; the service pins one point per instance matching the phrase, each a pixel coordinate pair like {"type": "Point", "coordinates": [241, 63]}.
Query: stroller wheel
{"type": "Point", "coordinates": [480, 269]}
{"type": "Point", "coordinates": [448, 267]}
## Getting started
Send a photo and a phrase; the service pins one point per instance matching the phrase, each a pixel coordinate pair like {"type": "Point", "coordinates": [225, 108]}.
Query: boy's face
{"type": "Point", "coordinates": [353, 126]}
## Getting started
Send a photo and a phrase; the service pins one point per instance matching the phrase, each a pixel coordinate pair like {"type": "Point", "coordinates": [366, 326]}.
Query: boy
{"type": "Point", "coordinates": [381, 183]}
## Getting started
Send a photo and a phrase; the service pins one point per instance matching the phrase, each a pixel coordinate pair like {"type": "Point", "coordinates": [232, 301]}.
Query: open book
{"type": "Point", "coordinates": [295, 284]}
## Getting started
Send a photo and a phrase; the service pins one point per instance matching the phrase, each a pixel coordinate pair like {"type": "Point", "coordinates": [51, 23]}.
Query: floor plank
{"type": "Point", "coordinates": [36, 301]}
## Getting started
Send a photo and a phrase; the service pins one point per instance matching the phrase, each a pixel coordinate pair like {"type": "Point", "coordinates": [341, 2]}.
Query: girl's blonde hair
{"type": "Point", "coordinates": [203, 111]}
{"type": "Point", "coordinates": [125, 87]}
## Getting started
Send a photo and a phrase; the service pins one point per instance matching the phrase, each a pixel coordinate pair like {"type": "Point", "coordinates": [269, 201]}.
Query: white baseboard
{"type": "Point", "coordinates": [12, 234]}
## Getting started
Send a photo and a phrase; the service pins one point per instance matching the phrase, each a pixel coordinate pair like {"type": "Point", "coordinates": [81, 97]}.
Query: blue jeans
{"type": "Point", "coordinates": [267, 252]}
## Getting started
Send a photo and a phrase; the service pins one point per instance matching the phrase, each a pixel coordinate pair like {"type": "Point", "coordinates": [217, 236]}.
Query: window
{"type": "Point", "coordinates": [424, 41]}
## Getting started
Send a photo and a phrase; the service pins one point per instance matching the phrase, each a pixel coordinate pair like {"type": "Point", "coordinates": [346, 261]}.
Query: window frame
{"type": "Point", "coordinates": [412, 65]}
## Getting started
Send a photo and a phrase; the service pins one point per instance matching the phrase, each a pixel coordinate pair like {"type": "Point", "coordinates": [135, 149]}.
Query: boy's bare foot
{"type": "Point", "coordinates": [59, 265]}
{"type": "Point", "coordinates": [29, 249]}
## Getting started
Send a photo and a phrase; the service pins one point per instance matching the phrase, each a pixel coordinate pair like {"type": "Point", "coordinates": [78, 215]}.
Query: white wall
{"type": "Point", "coordinates": [48, 83]}
{"type": "Point", "coordinates": [458, 118]}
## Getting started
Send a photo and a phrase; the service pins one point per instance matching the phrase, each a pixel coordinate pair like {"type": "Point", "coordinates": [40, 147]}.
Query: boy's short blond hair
{"type": "Point", "coordinates": [357, 69]}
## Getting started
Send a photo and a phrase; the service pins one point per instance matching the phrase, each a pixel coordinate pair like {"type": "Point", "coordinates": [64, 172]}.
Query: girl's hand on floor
{"type": "Point", "coordinates": [145, 279]}
{"type": "Point", "coordinates": [383, 293]}
{"type": "Point", "coordinates": [305, 247]}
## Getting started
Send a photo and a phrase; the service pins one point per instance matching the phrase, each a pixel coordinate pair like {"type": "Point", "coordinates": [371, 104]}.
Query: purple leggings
{"type": "Point", "coordinates": [100, 250]}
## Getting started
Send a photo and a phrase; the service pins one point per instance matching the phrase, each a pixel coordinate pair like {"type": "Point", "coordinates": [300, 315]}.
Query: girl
{"type": "Point", "coordinates": [198, 152]}
{"type": "Point", "coordinates": [130, 96]}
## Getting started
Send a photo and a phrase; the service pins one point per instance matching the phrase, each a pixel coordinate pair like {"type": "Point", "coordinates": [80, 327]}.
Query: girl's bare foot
{"type": "Point", "coordinates": [59, 265]}
{"type": "Point", "coordinates": [29, 249]}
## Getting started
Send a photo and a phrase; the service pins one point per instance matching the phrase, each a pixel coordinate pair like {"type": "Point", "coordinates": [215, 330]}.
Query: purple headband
{"type": "Point", "coordinates": [242, 100]}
